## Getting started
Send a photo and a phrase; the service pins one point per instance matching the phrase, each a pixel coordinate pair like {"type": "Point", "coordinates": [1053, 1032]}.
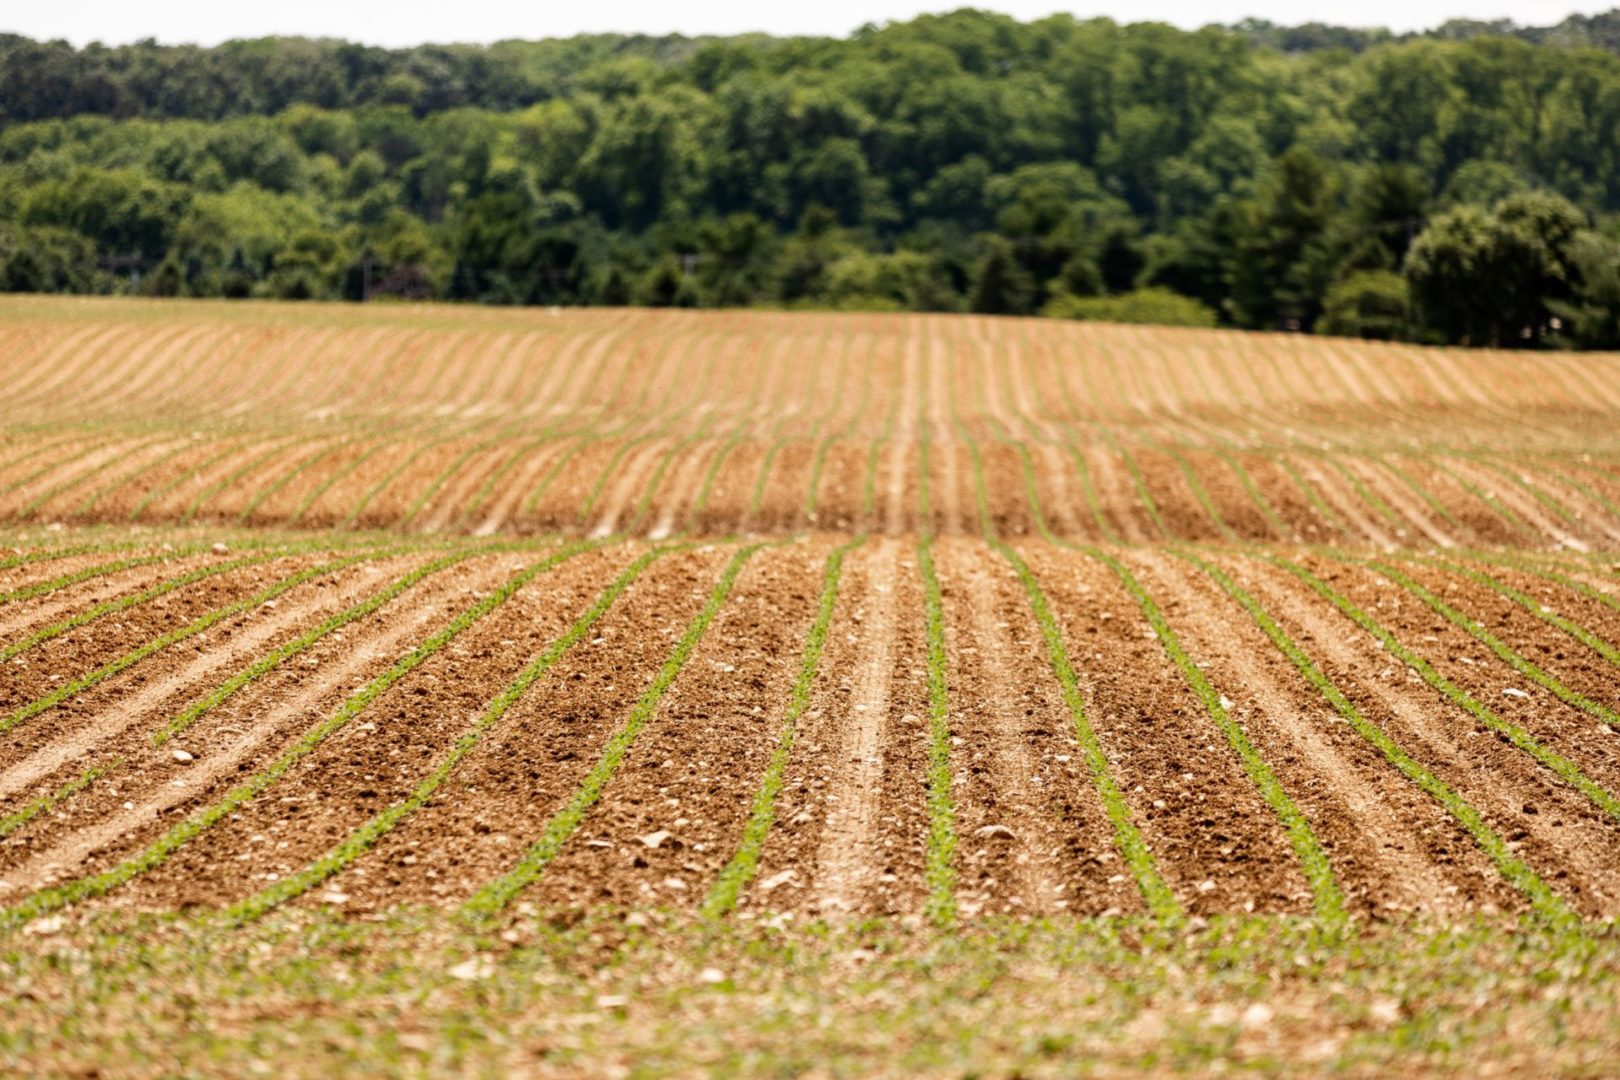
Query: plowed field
{"type": "Point", "coordinates": [620, 674]}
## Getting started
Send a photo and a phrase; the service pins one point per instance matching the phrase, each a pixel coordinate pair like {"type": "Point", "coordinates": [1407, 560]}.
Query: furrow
{"type": "Point", "coordinates": [488, 903]}
{"type": "Point", "coordinates": [99, 884]}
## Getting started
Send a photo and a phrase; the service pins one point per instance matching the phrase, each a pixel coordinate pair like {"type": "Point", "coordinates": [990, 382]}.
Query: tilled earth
{"type": "Point", "coordinates": [798, 621]}
{"type": "Point", "coordinates": [631, 723]}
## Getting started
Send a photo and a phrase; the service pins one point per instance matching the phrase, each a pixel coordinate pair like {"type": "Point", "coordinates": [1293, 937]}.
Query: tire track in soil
{"type": "Point", "coordinates": [1019, 765]}
{"type": "Point", "coordinates": [77, 729]}
{"type": "Point", "coordinates": [346, 780]}
{"type": "Point", "coordinates": [109, 824]}
{"type": "Point", "coordinates": [1218, 845]}
{"type": "Point", "coordinates": [1346, 502]}
{"type": "Point", "coordinates": [858, 847]}
{"type": "Point", "coordinates": [1393, 849]}
{"type": "Point", "coordinates": [674, 502]}
{"type": "Point", "coordinates": [507, 498]}
{"type": "Point", "coordinates": [1566, 839]}
{"type": "Point", "coordinates": [502, 793]}
{"type": "Point", "coordinates": [618, 497]}
{"type": "Point", "coordinates": [692, 771]}
{"type": "Point", "coordinates": [843, 859]}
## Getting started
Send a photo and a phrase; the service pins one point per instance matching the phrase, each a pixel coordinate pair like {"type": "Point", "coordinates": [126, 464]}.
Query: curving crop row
{"type": "Point", "coordinates": [487, 904]}
{"type": "Point", "coordinates": [62, 581]}
{"type": "Point", "coordinates": [124, 603]}
{"type": "Point", "coordinates": [123, 663]}
{"type": "Point", "coordinates": [1504, 652]}
{"type": "Point", "coordinates": [1547, 905]}
{"type": "Point", "coordinates": [364, 838]}
{"type": "Point", "coordinates": [255, 671]}
{"type": "Point", "coordinates": [1559, 765]}
{"type": "Point", "coordinates": [57, 897]}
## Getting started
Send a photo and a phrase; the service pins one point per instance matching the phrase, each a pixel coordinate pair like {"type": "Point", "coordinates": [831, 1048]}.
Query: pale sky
{"type": "Point", "coordinates": [410, 22]}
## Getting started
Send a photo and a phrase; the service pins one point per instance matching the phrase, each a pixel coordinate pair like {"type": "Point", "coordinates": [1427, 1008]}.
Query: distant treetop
{"type": "Point", "coordinates": [52, 79]}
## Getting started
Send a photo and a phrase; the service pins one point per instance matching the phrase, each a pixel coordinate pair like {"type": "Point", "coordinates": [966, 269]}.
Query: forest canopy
{"type": "Point", "coordinates": [1461, 186]}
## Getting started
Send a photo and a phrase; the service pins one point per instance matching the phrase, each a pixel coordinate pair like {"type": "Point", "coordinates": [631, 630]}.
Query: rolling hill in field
{"type": "Point", "coordinates": [337, 612]}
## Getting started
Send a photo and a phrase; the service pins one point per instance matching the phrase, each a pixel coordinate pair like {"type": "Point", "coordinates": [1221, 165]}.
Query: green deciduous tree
{"type": "Point", "coordinates": [1368, 304]}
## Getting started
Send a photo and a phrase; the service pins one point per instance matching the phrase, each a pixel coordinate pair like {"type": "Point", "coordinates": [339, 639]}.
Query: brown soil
{"type": "Point", "coordinates": [851, 820]}
{"type": "Point", "coordinates": [349, 778]}
{"type": "Point", "coordinates": [83, 649]}
{"type": "Point", "coordinates": [1557, 831]}
{"type": "Point", "coordinates": [23, 617]}
{"type": "Point", "coordinates": [1034, 838]}
{"type": "Point", "coordinates": [634, 410]}
{"type": "Point", "coordinates": [1471, 665]}
{"type": "Point", "coordinates": [1392, 848]}
{"type": "Point", "coordinates": [694, 770]}
{"type": "Point", "coordinates": [499, 800]}
{"type": "Point", "coordinates": [1218, 845]}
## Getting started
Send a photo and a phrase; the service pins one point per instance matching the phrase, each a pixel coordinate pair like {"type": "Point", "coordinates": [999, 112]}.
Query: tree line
{"type": "Point", "coordinates": [1460, 187]}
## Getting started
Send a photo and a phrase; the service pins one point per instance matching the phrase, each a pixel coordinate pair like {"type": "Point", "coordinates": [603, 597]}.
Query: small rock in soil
{"type": "Point", "coordinates": [475, 968]}
{"type": "Point", "coordinates": [1257, 1015]}
{"type": "Point", "coordinates": [776, 881]}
